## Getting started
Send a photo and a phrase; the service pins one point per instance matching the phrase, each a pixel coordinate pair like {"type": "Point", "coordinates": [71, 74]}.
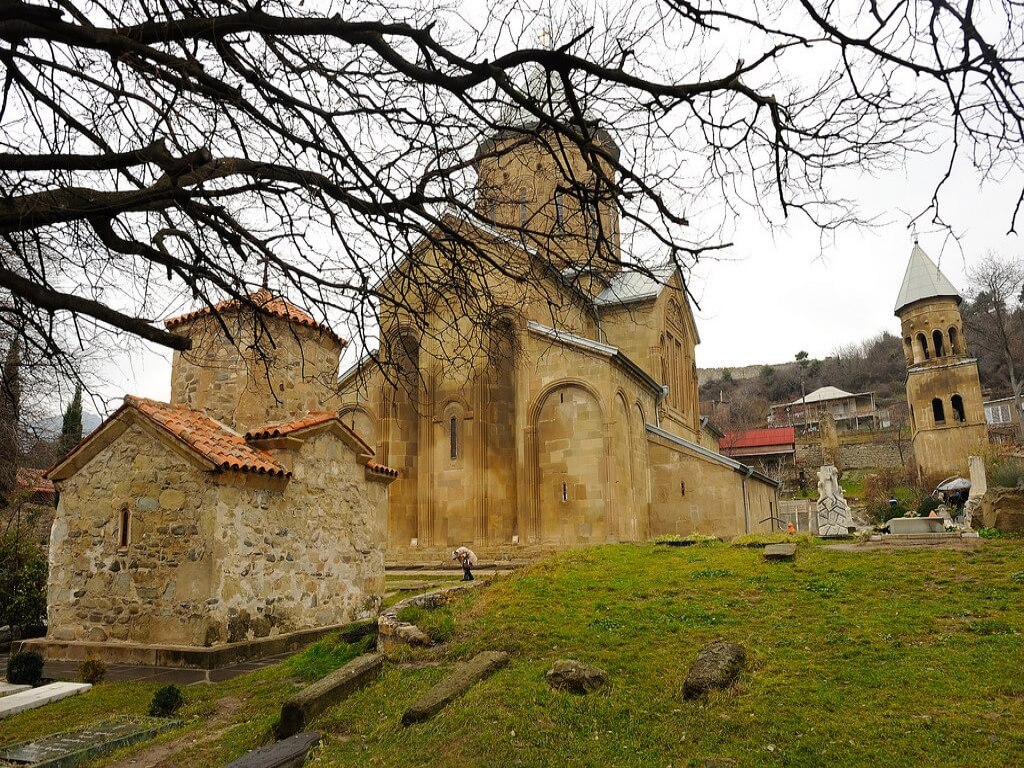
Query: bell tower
{"type": "Point", "coordinates": [943, 390]}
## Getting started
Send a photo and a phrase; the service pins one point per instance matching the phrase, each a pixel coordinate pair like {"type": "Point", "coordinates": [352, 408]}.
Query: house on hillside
{"type": "Point", "coordinates": [772, 451]}
{"type": "Point", "coordinates": [1002, 418]}
{"type": "Point", "coordinates": [850, 411]}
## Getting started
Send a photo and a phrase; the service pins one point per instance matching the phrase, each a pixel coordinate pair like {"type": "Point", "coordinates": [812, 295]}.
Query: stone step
{"type": "Point", "coordinates": [37, 697]}
{"type": "Point", "coordinates": [6, 689]}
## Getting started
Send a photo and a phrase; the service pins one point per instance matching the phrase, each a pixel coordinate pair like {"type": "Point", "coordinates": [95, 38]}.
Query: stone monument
{"type": "Point", "coordinates": [979, 484]}
{"type": "Point", "coordinates": [833, 512]}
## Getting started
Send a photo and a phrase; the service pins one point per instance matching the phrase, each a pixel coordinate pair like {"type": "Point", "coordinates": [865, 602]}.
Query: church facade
{"type": "Point", "coordinates": [570, 416]}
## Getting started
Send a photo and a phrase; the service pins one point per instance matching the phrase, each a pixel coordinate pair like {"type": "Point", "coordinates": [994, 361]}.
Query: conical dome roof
{"type": "Point", "coordinates": [923, 280]}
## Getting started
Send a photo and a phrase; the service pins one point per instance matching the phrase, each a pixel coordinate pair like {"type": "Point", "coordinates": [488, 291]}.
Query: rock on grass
{"type": "Point", "coordinates": [717, 666]}
{"type": "Point", "coordinates": [575, 676]}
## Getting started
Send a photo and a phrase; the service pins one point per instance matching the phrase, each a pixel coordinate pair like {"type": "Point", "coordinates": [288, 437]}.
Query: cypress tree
{"type": "Point", "coordinates": [10, 415]}
{"type": "Point", "coordinates": [71, 429]}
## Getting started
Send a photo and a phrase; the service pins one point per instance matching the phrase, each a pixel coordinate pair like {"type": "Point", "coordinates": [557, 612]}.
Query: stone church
{"type": "Point", "coordinates": [947, 414]}
{"type": "Point", "coordinates": [243, 509]}
{"type": "Point", "coordinates": [570, 416]}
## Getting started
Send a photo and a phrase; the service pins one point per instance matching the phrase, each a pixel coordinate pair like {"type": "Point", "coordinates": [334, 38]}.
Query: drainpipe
{"type": "Point", "coordinates": [747, 472]}
{"type": "Point", "coordinates": [657, 405]}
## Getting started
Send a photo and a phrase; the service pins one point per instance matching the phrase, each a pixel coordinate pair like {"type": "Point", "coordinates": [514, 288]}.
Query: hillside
{"type": "Point", "coordinates": [907, 658]}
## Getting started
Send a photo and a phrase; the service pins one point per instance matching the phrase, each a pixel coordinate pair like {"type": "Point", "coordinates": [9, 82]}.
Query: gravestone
{"type": "Point", "coordinates": [37, 697]}
{"type": "Point", "coordinates": [833, 512]}
{"type": "Point", "coordinates": [63, 750]}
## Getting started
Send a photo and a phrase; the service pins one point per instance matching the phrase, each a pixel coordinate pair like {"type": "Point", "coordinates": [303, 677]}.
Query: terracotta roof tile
{"type": "Point", "coordinates": [215, 442]}
{"type": "Point", "coordinates": [275, 306]}
{"type": "Point", "coordinates": [381, 469]}
{"type": "Point", "coordinates": [287, 427]}
{"type": "Point", "coordinates": [34, 480]}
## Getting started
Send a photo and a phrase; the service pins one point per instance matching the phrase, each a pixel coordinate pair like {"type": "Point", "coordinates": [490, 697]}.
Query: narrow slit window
{"type": "Point", "coordinates": [559, 210]}
{"type": "Point", "coordinates": [565, 492]}
{"type": "Point", "coordinates": [453, 438]}
{"type": "Point", "coordinates": [123, 533]}
{"type": "Point", "coordinates": [522, 207]}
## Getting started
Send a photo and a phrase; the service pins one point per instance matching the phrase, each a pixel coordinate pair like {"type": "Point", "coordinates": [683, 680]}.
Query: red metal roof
{"type": "Point", "coordinates": [271, 305]}
{"type": "Point", "coordinates": [758, 438]}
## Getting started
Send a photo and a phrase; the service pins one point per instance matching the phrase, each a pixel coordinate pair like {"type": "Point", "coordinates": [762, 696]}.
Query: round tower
{"type": "Point", "coordinates": [536, 184]}
{"type": "Point", "coordinates": [943, 390]}
{"type": "Point", "coordinates": [255, 364]}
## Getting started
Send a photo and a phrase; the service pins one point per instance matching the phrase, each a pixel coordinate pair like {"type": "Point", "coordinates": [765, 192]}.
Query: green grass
{"type": "Point", "coordinates": [907, 658]}
{"type": "Point", "coordinates": [325, 656]}
{"type": "Point", "coordinates": [779, 537]}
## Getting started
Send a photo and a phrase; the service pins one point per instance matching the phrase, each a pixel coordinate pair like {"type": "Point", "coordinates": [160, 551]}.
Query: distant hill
{"type": "Point", "coordinates": [50, 426]}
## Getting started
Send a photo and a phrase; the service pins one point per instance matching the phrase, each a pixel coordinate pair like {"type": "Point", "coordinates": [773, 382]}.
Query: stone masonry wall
{"type": "Point", "coordinates": [310, 556]}
{"type": "Point", "coordinates": [214, 558]}
{"type": "Point", "coordinates": [159, 585]}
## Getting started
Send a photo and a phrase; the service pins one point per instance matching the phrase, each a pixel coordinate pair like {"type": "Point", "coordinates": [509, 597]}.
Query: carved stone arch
{"type": "Point", "coordinates": [568, 381]}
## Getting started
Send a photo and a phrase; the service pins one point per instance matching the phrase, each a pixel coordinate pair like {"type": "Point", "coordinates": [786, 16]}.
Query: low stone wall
{"type": "Point", "coordinates": [392, 633]}
{"type": "Point", "coordinates": [1003, 509]}
{"type": "Point", "coordinates": [857, 450]}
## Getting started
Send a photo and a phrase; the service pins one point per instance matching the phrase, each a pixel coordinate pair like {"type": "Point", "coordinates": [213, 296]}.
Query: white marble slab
{"type": "Point", "coordinates": [6, 689]}
{"type": "Point", "coordinates": [37, 697]}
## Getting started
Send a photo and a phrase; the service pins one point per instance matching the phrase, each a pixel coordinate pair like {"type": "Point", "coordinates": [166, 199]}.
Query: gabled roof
{"type": "Point", "coordinates": [311, 421]}
{"type": "Point", "coordinates": [923, 280]}
{"type": "Point", "coordinates": [224, 448]}
{"type": "Point", "coordinates": [210, 442]}
{"type": "Point", "coordinates": [32, 480]}
{"type": "Point", "coordinates": [758, 438]}
{"type": "Point", "coordinates": [821, 394]}
{"type": "Point", "coordinates": [268, 304]}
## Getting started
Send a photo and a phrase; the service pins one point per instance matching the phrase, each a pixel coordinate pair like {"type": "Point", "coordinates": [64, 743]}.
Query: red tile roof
{"type": "Point", "coordinates": [227, 450]}
{"type": "Point", "coordinates": [758, 438]}
{"type": "Point", "coordinates": [312, 420]}
{"type": "Point", "coordinates": [380, 469]}
{"type": "Point", "coordinates": [34, 480]}
{"type": "Point", "coordinates": [275, 306]}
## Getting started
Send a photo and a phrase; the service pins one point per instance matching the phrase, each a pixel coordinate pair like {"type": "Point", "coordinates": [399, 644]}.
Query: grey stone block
{"type": "Point", "coordinates": [290, 753]}
{"type": "Point", "coordinates": [300, 709]}
{"type": "Point", "coordinates": [780, 552]}
{"type": "Point", "coordinates": [575, 676]}
{"type": "Point", "coordinates": [464, 677]}
{"type": "Point", "coordinates": [717, 666]}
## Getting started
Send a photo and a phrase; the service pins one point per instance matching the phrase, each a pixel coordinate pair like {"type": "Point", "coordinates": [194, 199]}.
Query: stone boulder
{"type": "Point", "coordinates": [575, 676]}
{"type": "Point", "coordinates": [717, 666]}
{"type": "Point", "coordinates": [1003, 509]}
{"type": "Point", "coordinates": [780, 553]}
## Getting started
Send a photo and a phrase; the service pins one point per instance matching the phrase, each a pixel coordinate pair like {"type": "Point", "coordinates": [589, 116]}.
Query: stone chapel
{"type": "Point", "coordinates": [571, 417]}
{"type": "Point", "coordinates": [243, 509]}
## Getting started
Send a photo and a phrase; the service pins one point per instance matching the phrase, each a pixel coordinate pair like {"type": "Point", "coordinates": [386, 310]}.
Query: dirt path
{"type": "Point", "coordinates": [163, 755]}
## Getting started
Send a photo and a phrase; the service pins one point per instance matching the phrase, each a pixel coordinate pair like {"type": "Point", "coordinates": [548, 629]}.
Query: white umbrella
{"type": "Point", "coordinates": [953, 484]}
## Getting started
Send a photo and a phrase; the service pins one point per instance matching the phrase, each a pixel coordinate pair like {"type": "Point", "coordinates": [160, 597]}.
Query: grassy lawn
{"type": "Point", "coordinates": [875, 658]}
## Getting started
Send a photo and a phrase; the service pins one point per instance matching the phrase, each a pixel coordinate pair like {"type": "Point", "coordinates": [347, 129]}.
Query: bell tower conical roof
{"type": "Point", "coordinates": [923, 280]}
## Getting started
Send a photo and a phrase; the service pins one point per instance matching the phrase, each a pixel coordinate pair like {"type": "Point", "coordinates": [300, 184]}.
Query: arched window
{"type": "Point", "coordinates": [954, 342]}
{"type": "Point", "coordinates": [940, 347]}
{"type": "Point", "coordinates": [923, 341]}
{"type": "Point", "coordinates": [908, 349]}
{"type": "Point", "coordinates": [123, 533]}
{"type": "Point", "coordinates": [958, 408]}
{"type": "Point", "coordinates": [453, 438]}
{"type": "Point", "coordinates": [938, 412]}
